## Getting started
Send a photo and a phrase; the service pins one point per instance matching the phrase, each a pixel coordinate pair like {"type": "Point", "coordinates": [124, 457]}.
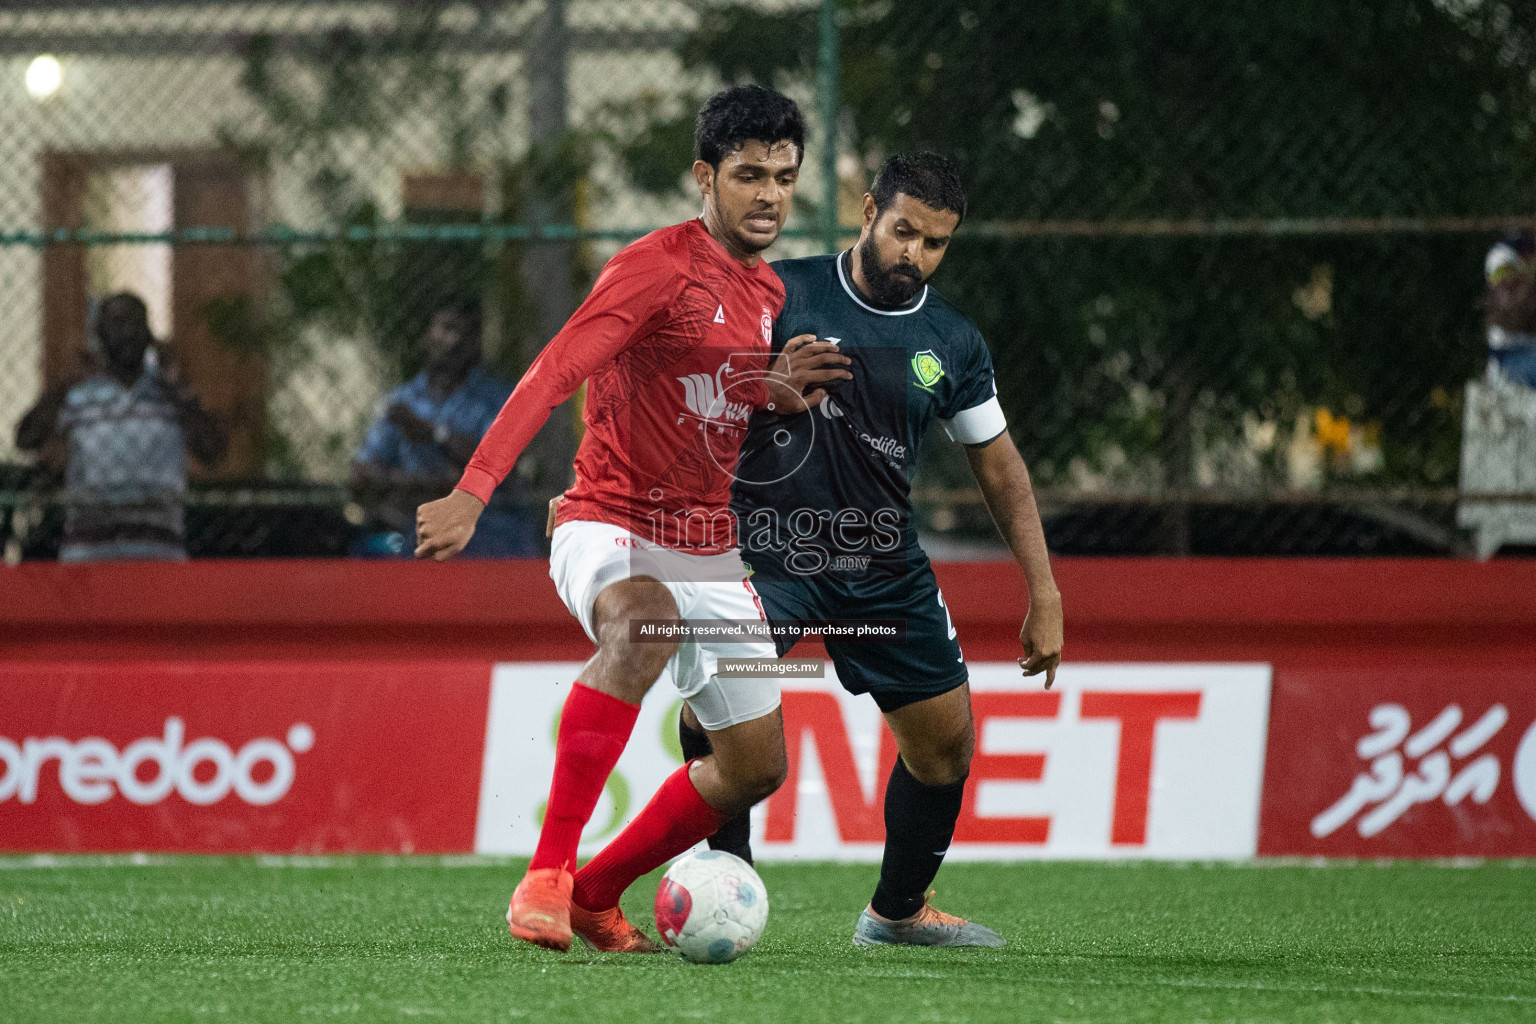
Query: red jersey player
{"type": "Point", "coordinates": [675, 340]}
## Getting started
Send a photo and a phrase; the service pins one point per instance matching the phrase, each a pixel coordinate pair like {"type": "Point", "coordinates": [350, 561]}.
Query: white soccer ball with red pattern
{"type": "Point", "coordinates": [711, 907]}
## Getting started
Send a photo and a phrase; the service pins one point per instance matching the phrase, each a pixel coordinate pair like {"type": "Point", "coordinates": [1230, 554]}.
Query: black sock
{"type": "Point", "coordinates": [734, 834]}
{"type": "Point", "coordinates": [919, 823]}
{"type": "Point", "coordinates": [695, 741]}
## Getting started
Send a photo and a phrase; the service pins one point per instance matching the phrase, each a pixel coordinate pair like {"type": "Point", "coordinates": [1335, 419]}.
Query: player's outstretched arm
{"type": "Point", "coordinates": [1010, 497]}
{"type": "Point", "coordinates": [444, 526]}
{"type": "Point", "coordinates": [633, 290]}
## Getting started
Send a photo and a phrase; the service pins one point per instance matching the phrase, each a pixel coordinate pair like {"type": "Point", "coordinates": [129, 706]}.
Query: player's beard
{"type": "Point", "coordinates": [893, 285]}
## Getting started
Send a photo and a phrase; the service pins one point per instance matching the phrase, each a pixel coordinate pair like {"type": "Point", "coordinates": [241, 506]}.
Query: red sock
{"type": "Point", "coordinates": [593, 730]}
{"type": "Point", "coordinates": [675, 819]}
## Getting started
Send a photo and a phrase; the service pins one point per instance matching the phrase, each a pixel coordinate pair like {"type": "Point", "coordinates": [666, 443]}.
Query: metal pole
{"type": "Point", "coordinates": [827, 99]}
{"type": "Point", "coordinates": [547, 263]}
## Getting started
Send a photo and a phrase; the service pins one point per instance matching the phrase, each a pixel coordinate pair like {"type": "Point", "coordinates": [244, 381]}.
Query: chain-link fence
{"type": "Point", "coordinates": [1229, 258]}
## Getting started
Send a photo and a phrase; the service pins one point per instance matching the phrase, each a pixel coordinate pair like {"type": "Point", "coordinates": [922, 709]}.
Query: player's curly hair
{"type": "Point", "coordinates": [929, 178]}
{"type": "Point", "coordinates": [743, 113]}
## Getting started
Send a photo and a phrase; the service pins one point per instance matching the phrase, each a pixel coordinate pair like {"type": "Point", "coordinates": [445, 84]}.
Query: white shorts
{"type": "Point", "coordinates": [586, 557]}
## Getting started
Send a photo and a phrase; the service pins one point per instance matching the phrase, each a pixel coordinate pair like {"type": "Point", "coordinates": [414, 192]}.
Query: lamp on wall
{"type": "Point", "coordinates": [44, 76]}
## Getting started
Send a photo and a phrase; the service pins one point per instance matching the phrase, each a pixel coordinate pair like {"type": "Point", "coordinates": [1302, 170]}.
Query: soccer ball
{"type": "Point", "coordinates": [711, 907]}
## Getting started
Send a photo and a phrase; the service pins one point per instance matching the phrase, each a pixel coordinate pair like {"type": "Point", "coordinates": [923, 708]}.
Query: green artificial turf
{"type": "Point", "coordinates": [405, 939]}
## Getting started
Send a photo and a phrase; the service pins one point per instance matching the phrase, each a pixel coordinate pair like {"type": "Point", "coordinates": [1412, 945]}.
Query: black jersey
{"type": "Point", "coordinates": [828, 492]}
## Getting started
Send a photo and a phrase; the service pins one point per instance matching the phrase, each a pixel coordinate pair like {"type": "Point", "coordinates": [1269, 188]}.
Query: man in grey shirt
{"type": "Point", "coordinates": [128, 426]}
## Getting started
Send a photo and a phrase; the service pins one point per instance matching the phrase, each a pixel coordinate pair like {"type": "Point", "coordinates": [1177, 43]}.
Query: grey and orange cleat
{"type": "Point", "coordinates": [928, 927]}
{"type": "Point", "coordinates": [607, 931]}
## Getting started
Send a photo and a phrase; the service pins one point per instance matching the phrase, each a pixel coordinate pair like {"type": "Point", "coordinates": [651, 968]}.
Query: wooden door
{"type": "Point", "coordinates": [215, 296]}
{"type": "Point", "coordinates": [216, 290]}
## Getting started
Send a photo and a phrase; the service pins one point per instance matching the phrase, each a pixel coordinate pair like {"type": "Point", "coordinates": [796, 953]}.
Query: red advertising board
{"type": "Point", "coordinates": [297, 706]}
{"type": "Point", "coordinates": [1428, 761]}
{"type": "Point", "coordinates": [241, 758]}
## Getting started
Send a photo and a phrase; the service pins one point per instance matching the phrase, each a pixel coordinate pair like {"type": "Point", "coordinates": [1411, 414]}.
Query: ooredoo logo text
{"type": "Point", "coordinates": [148, 770]}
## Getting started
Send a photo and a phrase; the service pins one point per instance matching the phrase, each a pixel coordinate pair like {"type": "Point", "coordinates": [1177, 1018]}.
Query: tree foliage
{"type": "Point", "coordinates": [353, 94]}
{"type": "Point", "coordinates": [1126, 355]}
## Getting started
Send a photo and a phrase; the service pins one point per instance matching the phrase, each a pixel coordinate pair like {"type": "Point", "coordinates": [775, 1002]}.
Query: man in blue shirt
{"type": "Point", "coordinates": [425, 434]}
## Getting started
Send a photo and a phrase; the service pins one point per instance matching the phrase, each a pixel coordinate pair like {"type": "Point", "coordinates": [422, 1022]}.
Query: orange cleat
{"type": "Point", "coordinates": [607, 931]}
{"type": "Point", "coordinates": [540, 911]}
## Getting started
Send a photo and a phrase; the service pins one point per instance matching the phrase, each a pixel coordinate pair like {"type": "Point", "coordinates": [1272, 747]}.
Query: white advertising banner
{"type": "Point", "coordinates": [1133, 760]}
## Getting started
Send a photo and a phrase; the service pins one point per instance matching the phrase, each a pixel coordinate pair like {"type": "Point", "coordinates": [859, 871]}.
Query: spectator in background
{"type": "Point", "coordinates": [426, 433]}
{"type": "Point", "coordinates": [127, 428]}
{"type": "Point", "coordinates": [1511, 309]}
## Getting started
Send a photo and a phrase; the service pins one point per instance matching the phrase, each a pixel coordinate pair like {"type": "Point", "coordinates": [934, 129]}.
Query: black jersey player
{"type": "Point", "coordinates": [824, 514]}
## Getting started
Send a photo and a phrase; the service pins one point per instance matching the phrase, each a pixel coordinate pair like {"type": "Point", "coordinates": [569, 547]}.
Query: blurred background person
{"type": "Point", "coordinates": [1499, 412]}
{"type": "Point", "coordinates": [126, 429]}
{"type": "Point", "coordinates": [1511, 310]}
{"type": "Point", "coordinates": [424, 435]}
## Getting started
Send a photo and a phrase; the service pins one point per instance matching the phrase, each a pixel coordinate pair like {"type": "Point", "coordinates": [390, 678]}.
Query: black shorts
{"type": "Point", "coordinates": [927, 663]}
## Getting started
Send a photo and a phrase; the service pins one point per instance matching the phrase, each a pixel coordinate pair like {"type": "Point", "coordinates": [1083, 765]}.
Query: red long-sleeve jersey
{"type": "Point", "coordinates": [674, 339]}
